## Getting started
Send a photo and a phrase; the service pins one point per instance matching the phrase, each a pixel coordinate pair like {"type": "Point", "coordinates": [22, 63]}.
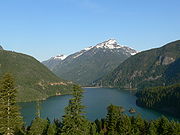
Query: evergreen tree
{"type": "Point", "coordinates": [52, 129]}
{"type": "Point", "coordinates": [174, 128]}
{"type": "Point", "coordinates": [124, 125]}
{"type": "Point", "coordinates": [151, 129]}
{"type": "Point", "coordinates": [98, 125]}
{"type": "Point", "coordinates": [38, 127]}
{"type": "Point", "coordinates": [93, 129]}
{"type": "Point", "coordinates": [139, 125]}
{"type": "Point", "coordinates": [58, 124]}
{"type": "Point", "coordinates": [74, 121]}
{"type": "Point", "coordinates": [114, 113]}
{"type": "Point", "coordinates": [10, 117]}
{"type": "Point", "coordinates": [163, 125]}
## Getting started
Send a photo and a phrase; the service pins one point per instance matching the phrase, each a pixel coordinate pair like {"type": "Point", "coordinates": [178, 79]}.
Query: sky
{"type": "Point", "coordinates": [46, 28]}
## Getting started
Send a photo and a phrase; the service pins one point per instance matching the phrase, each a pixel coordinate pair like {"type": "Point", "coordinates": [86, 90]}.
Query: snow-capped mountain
{"type": "Point", "coordinates": [53, 61]}
{"type": "Point", "coordinates": [91, 63]}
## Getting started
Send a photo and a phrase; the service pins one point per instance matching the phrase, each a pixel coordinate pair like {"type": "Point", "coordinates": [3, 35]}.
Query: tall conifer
{"type": "Point", "coordinates": [74, 121]}
{"type": "Point", "coordinates": [10, 118]}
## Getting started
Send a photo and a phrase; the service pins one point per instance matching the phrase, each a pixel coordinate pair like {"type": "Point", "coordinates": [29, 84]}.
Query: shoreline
{"type": "Point", "coordinates": [91, 87]}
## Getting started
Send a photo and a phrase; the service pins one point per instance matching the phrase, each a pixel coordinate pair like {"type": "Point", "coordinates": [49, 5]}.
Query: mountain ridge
{"type": "Point", "coordinates": [93, 61]}
{"type": "Point", "coordinates": [144, 69]}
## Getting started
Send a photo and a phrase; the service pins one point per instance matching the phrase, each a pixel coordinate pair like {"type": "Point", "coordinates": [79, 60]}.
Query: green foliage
{"type": "Point", "coordinates": [33, 79]}
{"type": "Point", "coordinates": [155, 67]}
{"type": "Point", "coordinates": [163, 126]}
{"type": "Point", "coordinates": [152, 129]}
{"type": "Point", "coordinates": [114, 114]}
{"type": "Point", "coordinates": [164, 98]}
{"type": "Point", "coordinates": [93, 129]}
{"type": "Point", "coordinates": [38, 127]}
{"type": "Point", "coordinates": [74, 121]}
{"type": "Point", "coordinates": [124, 125]}
{"type": "Point", "coordinates": [52, 129]}
{"type": "Point", "coordinates": [172, 73]}
{"type": "Point", "coordinates": [174, 128]}
{"type": "Point", "coordinates": [10, 118]}
{"type": "Point", "coordinates": [138, 125]}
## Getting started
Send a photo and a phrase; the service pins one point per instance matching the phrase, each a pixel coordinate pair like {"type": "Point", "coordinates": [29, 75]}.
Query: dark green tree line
{"type": "Point", "coordinates": [164, 98]}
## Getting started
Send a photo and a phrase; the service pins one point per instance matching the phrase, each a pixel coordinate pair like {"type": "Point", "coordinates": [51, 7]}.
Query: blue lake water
{"type": "Point", "coordinates": [96, 100]}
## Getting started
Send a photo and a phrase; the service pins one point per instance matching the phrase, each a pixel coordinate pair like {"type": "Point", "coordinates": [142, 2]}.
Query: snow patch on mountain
{"type": "Point", "coordinates": [79, 54]}
{"type": "Point", "coordinates": [110, 44]}
{"type": "Point", "coordinates": [88, 48]}
{"type": "Point", "coordinates": [133, 53]}
{"type": "Point", "coordinates": [59, 57]}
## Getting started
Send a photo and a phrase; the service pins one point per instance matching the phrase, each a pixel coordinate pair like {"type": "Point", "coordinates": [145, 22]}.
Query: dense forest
{"type": "Point", "coordinates": [33, 80]}
{"type": "Point", "coordinates": [164, 98]}
{"type": "Point", "coordinates": [74, 121]}
{"type": "Point", "coordinates": [150, 68]}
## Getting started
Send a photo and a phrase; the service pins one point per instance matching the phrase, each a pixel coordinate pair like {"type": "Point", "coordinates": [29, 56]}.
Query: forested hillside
{"type": "Point", "coordinates": [155, 67]}
{"type": "Point", "coordinates": [165, 99]}
{"type": "Point", "coordinates": [34, 81]}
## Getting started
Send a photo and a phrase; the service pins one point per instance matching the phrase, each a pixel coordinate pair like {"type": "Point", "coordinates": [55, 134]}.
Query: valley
{"type": "Point", "coordinates": [90, 64]}
{"type": "Point", "coordinates": [89, 67]}
{"type": "Point", "coordinates": [102, 96]}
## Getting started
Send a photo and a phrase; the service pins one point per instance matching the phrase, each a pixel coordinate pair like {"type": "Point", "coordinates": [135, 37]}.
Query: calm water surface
{"type": "Point", "coordinates": [96, 100]}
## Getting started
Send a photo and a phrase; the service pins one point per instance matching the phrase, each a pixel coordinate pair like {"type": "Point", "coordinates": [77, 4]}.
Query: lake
{"type": "Point", "coordinates": [96, 100]}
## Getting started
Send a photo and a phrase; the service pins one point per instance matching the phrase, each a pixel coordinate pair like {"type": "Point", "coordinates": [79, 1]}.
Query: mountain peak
{"type": "Point", "coordinates": [91, 63]}
{"type": "Point", "coordinates": [109, 44]}
{"type": "Point", "coordinates": [59, 57]}
{"type": "Point", "coordinates": [111, 41]}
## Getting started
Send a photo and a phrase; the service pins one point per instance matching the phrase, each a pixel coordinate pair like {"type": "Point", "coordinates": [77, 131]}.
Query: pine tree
{"type": "Point", "coordinates": [38, 127]}
{"type": "Point", "coordinates": [174, 128]}
{"type": "Point", "coordinates": [52, 129]}
{"type": "Point", "coordinates": [74, 121]}
{"type": "Point", "coordinates": [93, 129]}
{"type": "Point", "coordinates": [152, 129]}
{"type": "Point", "coordinates": [10, 118]}
{"type": "Point", "coordinates": [139, 125]}
{"type": "Point", "coordinates": [98, 125]}
{"type": "Point", "coordinates": [163, 126]}
{"type": "Point", "coordinates": [124, 125]}
{"type": "Point", "coordinates": [114, 113]}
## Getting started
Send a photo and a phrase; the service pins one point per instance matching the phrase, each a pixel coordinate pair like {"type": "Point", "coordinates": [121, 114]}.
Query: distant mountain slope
{"type": "Point", "coordinates": [34, 81]}
{"type": "Point", "coordinates": [1, 48]}
{"type": "Point", "coordinates": [90, 64]}
{"type": "Point", "coordinates": [149, 68]}
{"type": "Point", "coordinates": [54, 61]}
{"type": "Point", "coordinates": [172, 73]}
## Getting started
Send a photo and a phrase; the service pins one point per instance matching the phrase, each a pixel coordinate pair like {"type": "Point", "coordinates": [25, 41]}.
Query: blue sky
{"type": "Point", "coordinates": [45, 28]}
